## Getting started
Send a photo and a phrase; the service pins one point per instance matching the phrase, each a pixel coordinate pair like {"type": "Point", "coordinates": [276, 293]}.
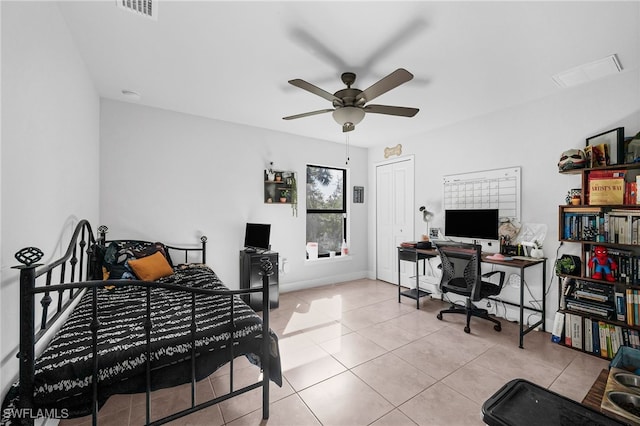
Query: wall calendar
{"type": "Point", "coordinates": [488, 189]}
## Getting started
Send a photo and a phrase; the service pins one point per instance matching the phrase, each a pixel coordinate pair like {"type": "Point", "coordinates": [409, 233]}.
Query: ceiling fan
{"type": "Point", "coordinates": [349, 105]}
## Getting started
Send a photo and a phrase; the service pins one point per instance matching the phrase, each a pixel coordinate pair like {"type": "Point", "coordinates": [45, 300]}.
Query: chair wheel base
{"type": "Point", "coordinates": [439, 316]}
{"type": "Point", "coordinates": [497, 327]}
{"type": "Point", "coordinates": [467, 330]}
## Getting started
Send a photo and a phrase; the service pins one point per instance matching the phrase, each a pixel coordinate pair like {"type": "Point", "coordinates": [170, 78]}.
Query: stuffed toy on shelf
{"type": "Point", "coordinates": [603, 264]}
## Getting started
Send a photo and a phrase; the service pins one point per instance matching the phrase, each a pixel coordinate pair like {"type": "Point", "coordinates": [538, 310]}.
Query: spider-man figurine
{"type": "Point", "coordinates": [603, 264]}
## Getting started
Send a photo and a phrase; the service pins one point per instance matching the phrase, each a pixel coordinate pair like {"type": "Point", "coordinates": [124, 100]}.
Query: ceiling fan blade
{"type": "Point", "coordinates": [315, 90]}
{"type": "Point", "coordinates": [317, 48]}
{"type": "Point", "coordinates": [387, 83]}
{"type": "Point", "coordinates": [307, 114]}
{"type": "Point", "coordinates": [409, 31]}
{"type": "Point", "coordinates": [391, 110]}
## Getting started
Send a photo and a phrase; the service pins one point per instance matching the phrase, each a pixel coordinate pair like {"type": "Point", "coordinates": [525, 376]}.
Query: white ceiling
{"type": "Point", "coordinates": [231, 60]}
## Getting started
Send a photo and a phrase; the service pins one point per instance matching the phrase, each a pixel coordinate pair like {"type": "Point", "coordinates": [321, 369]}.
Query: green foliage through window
{"type": "Point", "coordinates": [326, 208]}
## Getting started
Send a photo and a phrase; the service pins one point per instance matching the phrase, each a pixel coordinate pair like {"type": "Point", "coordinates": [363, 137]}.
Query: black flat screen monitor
{"type": "Point", "coordinates": [257, 236]}
{"type": "Point", "coordinates": [481, 224]}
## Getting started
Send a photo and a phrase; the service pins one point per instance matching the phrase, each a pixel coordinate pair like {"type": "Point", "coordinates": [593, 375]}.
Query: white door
{"type": "Point", "coordinates": [394, 216]}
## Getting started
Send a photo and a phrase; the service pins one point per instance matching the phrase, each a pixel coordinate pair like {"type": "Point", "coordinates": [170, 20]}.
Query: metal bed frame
{"type": "Point", "coordinates": [84, 274]}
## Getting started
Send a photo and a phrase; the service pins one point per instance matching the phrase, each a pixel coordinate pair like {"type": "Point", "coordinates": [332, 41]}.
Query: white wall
{"type": "Point", "coordinates": [531, 136]}
{"type": "Point", "coordinates": [174, 177]}
{"type": "Point", "coordinates": [50, 130]}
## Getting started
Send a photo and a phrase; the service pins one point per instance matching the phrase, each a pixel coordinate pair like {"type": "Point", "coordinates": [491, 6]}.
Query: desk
{"type": "Point", "coordinates": [416, 255]}
{"type": "Point", "coordinates": [522, 265]}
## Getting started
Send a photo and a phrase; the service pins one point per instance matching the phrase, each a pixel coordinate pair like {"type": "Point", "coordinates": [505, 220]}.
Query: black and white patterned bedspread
{"type": "Point", "coordinates": [64, 370]}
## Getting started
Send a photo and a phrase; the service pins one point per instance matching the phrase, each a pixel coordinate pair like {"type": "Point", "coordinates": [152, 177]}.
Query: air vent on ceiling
{"type": "Point", "coordinates": [588, 72]}
{"type": "Point", "coordinates": [148, 8]}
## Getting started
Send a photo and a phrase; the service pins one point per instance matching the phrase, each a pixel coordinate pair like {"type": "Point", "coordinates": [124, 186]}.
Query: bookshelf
{"type": "Point", "coordinates": [600, 307]}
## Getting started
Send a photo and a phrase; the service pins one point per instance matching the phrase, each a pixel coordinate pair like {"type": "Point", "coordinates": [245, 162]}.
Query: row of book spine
{"type": "Point", "coordinates": [618, 227]}
{"type": "Point", "coordinates": [598, 337]}
{"type": "Point", "coordinates": [628, 307]}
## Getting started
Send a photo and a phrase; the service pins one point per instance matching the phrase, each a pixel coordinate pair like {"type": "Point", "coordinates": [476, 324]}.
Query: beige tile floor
{"type": "Point", "coordinates": [352, 355]}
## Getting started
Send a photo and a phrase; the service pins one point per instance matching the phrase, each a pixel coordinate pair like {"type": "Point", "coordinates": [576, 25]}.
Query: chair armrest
{"type": "Point", "coordinates": [488, 274]}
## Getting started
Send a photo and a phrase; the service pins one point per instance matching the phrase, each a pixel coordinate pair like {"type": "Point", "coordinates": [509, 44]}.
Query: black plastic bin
{"type": "Point", "coordinates": [522, 403]}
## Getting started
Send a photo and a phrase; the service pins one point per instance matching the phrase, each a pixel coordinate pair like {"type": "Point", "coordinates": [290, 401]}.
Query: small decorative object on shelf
{"type": "Point", "coordinates": [270, 173]}
{"type": "Point", "coordinates": [571, 159]}
{"type": "Point", "coordinates": [606, 148]}
{"type": "Point", "coordinates": [603, 265]}
{"type": "Point", "coordinates": [573, 196]}
{"type": "Point", "coordinates": [536, 250]}
{"type": "Point", "coordinates": [632, 149]}
{"type": "Point", "coordinates": [568, 265]}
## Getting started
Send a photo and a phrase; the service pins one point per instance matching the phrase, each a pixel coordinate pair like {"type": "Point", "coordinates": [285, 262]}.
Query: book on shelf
{"type": "Point", "coordinates": [621, 308]}
{"type": "Point", "coordinates": [615, 338]}
{"type": "Point", "coordinates": [567, 329]}
{"type": "Point", "coordinates": [605, 339]}
{"type": "Point", "coordinates": [631, 193]}
{"type": "Point", "coordinates": [595, 331]}
{"type": "Point", "coordinates": [588, 335]}
{"type": "Point", "coordinates": [636, 307]}
{"type": "Point", "coordinates": [634, 338]}
{"type": "Point", "coordinates": [558, 326]}
{"type": "Point", "coordinates": [630, 306]}
{"type": "Point", "coordinates": [576, 331]}
{"type": "Point", "coordinates": [606, 187]}
{"type": "Point", "coordinates": [587, 295]}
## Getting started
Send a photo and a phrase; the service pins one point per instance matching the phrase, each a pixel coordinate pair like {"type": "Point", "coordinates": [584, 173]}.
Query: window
{"type": "Point", "coordinates": [326, 208]}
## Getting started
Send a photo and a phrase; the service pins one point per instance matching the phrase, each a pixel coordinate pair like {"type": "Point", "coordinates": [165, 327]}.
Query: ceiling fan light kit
{"type": "Point", "coordinates": [348, 115]}
{"type": "Point", "coordinates": [349, 104]}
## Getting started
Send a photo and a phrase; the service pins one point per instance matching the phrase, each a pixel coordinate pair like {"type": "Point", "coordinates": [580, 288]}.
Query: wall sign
{"type": "Point", "coordinates": [394, 150]}
{"type": "Point", "coordinates": [358, 194]}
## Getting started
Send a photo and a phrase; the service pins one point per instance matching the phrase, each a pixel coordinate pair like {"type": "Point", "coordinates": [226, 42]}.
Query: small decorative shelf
{"type": "Point", "coordinates": [280, 188]}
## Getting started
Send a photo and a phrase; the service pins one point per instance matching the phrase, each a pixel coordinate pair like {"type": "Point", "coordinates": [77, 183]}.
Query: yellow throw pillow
{"type": "Point", "coordinates": [152, 267]}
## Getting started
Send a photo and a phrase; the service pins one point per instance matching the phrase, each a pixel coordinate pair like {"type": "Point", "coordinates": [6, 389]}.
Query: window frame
{"type": "Point", "coordinates": [342, 211]}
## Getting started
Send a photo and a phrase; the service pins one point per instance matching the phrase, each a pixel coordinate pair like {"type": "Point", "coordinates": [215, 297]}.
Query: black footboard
{"type": "Point", "coordinates": [79, 276]}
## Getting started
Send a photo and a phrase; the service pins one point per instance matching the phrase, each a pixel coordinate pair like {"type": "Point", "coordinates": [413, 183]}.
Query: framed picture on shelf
{"type": "Point", "coordinates": [631, 150]}
{"type": "Point", "coordinates": [607, 147]}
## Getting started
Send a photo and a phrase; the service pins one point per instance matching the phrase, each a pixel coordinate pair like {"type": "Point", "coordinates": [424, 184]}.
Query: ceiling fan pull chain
{"type": "Point", "coordinates": [347, 144]}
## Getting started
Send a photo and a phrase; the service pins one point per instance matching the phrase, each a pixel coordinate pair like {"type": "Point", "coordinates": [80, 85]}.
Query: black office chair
{"type": "Point", "coordinates": [467, 283]}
